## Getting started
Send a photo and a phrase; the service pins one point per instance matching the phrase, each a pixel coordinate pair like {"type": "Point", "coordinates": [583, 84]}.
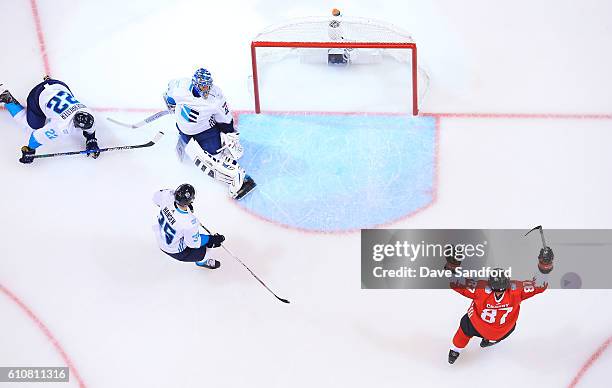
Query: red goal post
{"type": "Point", "coordinates": [305, 33]}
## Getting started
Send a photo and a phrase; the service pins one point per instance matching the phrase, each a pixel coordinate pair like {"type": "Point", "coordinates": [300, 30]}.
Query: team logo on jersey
{"type": "Point", "coordinates": [190, 115]}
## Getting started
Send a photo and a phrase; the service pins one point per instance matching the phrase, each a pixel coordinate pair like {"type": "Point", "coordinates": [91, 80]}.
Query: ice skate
{"type": "Point", "coordinates": [209, 263]}
{"type": "Point", "coordinates": [485, 343]}
{"type": "Point", "coordinates": [452, 356]}
{"type": "Point", "coordinates": [247, 186]}
{"type": "Point", "coordinates": [6, 96]}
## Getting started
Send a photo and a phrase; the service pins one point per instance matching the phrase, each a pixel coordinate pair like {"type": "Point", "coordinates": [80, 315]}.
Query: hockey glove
{"type": "Point", "coordinates": [27, 155]}
{"type": "Point", "coordinates": [170, 103]}
{"type": "Point", "coordinates": [92, 145]}
{"type": "Point", "coordinates": [451, 262]}
{"type": "Point", "coordinates": [545, 260]}
{"type": "Point", "coordinates": [231, 142]}
{"type": "Point", "coordinates": [215, 240]}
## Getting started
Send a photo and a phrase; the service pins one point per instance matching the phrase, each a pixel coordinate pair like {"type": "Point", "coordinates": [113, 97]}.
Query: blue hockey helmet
{"type": "Point", "coordinates": [202, 82]}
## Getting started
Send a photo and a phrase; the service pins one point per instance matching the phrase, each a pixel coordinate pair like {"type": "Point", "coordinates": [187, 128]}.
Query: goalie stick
{"type": "Point", "coordinates": [244, 265]}
{"type": "Point", "coordinates": [85, 152]}
{"type": "Point", "coordinates": [143, 122]}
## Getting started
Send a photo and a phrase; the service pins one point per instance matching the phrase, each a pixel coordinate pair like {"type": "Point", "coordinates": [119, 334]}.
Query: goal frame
{"type": "Point", "coordinates": [371, 45]}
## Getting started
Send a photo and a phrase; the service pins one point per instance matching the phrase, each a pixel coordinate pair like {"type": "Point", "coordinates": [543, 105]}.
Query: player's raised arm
{"type": "Point", "coordinates": [539, 283]}
{"type": "Point", "coordinates": [464, 286]}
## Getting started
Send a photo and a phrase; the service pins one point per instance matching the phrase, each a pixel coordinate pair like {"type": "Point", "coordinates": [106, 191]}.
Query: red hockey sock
{"type": "Point", "coordinates": [460, 340]}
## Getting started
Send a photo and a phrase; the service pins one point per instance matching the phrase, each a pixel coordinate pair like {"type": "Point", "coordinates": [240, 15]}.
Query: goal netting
{"type": "Point", "coordinates": [367, 50]}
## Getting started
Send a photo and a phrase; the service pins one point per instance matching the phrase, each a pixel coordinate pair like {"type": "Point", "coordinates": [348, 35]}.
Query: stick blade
{"type": "Point", "coordinates": [158, 136]}
{"type": "Point", "coordinates": [120, 123]}
{"type": "Point", "coordinates": [537, 227]}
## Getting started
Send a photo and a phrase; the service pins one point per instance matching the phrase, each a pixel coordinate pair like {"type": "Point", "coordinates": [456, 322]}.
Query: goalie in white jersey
{"type": "Point", "coordinates": [178, 230]}
{"type": "Point", "coordinates": [206, 130]}
{"type": "Point", "coordinates": [51, 112]}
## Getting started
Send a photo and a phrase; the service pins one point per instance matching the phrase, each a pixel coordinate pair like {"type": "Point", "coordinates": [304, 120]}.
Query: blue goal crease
{"type": "Point", "coordinates": [338, 172]}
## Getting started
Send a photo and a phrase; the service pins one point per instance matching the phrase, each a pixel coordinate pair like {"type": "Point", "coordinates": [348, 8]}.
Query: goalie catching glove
{"type": "Point", "coordinates": [231, 143]}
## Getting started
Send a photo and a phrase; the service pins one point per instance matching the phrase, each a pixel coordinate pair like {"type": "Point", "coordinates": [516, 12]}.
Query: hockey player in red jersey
{"type": "Point", "coordinates": [495, 304]}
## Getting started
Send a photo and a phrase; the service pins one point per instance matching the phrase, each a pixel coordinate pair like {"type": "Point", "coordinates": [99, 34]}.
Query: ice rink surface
{"type": "Point", "coordinates": [521, 96]}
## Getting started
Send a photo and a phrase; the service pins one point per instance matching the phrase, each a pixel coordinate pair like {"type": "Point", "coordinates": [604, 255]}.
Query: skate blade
{"type": "Point", "coordinates": [246, 190]}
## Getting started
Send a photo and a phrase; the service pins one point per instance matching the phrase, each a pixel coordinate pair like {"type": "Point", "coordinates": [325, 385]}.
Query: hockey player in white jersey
{"type": "Point", "coordinates": [51, 112]}
{"type": "Point", "coordinates": [178, 230]}
{"type": "Point", "coordinates": [206, 130]}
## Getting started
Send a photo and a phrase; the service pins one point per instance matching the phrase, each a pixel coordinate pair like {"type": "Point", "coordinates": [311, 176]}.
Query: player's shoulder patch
{"type": "Point", "coordinates": [193, 221]}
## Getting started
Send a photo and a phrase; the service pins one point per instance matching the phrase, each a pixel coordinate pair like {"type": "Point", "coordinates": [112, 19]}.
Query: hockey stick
{"type": "Point", "coordinates": [86, 152]}
{"type": "Point", "coordinates": [539, 227]}
{"type": "Point", "coordinates": [143, 122]}
{"type": "Point", "coordinates": [244, 265]}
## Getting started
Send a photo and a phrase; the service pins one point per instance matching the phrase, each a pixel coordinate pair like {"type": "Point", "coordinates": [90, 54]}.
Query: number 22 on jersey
{"type": "Point", "coordinates": [61, 101]}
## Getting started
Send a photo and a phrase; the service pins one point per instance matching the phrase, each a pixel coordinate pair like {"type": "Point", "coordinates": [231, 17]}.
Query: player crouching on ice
{"type": "Point", "coordinates": [206, 131]}
{"type": "Point", "coordinates": [51, 112]}
{"type": "Point", "coordinates": [178, 230]}
{"type": "Point", "coordinates": [495, 304]}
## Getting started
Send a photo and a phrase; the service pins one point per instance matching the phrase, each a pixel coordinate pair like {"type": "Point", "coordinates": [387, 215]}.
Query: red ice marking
{"type": "Point", "coordinates": [545, 116]}
{"type": "Point", "coordinates": [45, 330]}
{"type": "Point", "coordinates": [438, 118]}
{"type": "Point", "coordinates": [132, 110]}
{"type": "Point", "coordinates": [41, 37]}
{"type": "Point", "coordinates": [594, 357]}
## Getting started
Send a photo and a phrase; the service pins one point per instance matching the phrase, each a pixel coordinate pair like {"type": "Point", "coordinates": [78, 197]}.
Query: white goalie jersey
{"type": "Point", "coordinates": [193, 114]}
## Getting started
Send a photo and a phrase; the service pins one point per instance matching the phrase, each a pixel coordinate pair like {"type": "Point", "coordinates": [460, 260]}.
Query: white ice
{"type": "Point", "coordinates": [78, 249]}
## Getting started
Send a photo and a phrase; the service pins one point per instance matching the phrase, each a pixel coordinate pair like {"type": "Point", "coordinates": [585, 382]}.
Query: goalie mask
{"type": "Point", "coordinates": [202, 82]}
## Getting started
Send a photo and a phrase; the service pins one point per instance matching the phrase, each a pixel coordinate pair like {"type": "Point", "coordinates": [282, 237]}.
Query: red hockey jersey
{"type": "Point", "coordinates": [491, 317]}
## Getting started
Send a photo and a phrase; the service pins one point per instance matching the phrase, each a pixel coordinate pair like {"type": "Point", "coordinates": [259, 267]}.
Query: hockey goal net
{"type": "Point", "coordinates": [341, 42]}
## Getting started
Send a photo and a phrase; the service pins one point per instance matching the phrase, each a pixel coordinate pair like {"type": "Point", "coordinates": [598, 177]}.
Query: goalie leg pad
{"type": "Point", "coordinates": [180, 148]}
{"type": "Point", "coordinates": [218, 167]}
